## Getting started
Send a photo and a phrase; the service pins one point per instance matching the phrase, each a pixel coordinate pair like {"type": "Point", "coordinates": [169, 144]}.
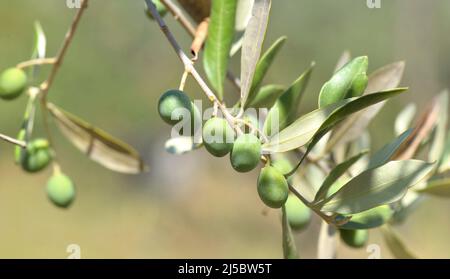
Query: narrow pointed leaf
{"type": "Point", "coordinates": [40, 46]}
{"type": "Point", "coordinates": [335, 174]}
{"type": "Point", "coordinates": [312, 126]}
{"type": "Point", "coordinates": [252, 45]}
{"type": "Point", "coordinates": [267, 96]}
{"type": "Point", "coordinates": [263, 66]}
{"type": "Point", "coordinates": [285, 108]}
{"type": "Point", "coordinates": [97, 144]}
{"type": "Point", "coordinates": [378, 186]}
{"type": "Point", "coordinates": [386, 153]}
{"type": "Point", "coordinates": [395, 244]}
{"type": "Point", "coordinates": [445, 159]}
{"type": "Point", "coordinates": [438, 144]}
{"type": "Point", "coordinates": [439, 188]}
{"type": "Point", "coordinates": [243, 15]}
{"type": "Point", "coordinates": [219, 41]}
{"type": "Point", "coordinates": [289, 248]}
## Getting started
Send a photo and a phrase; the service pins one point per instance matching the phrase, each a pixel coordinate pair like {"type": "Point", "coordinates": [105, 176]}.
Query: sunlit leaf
{"type": "Point", "coordinates": [405, 118]}
{"type": "Point", "coordinates": [40, 46]}
{"type": "Point", "coordinates": [243, 15]}
{"type": "Point", "coordinates": [335, 174]}
{"type": "Point", "coordinates": [439, 188]}
{"type": "Point", "coordinates": [285, 108]}
{"type": "Point", "coordinates": [289, 248]}
{"type": "Point", "coordinates": [97, 144]}
{"type": "Point", "coordinates": [267, 96]}
{"type": "Point", "coordinates": [312, 126]}
{"type": "Point", "coordinates": [263, 66]}
{"type": "Point", "coordinates": [378, 186]}
{"type": "Point", "coordinates": [395, 244]}
{"type": "Point", "coordinates": [219, 41]}
{"type": "Point", "coordinates": [252, 45]}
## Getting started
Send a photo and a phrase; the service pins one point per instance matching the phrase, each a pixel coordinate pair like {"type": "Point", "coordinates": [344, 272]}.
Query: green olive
{"type": "Point", "coordinates": [162, 10]}
{"type": "Point", "coordinates": [13, 82]}
{"type": "Point", "coordinates": [60, 190]}
{"type": "Point", "coordinates": [246, 153]}
{"type": "Point", "coordinates": [272, 187]}
{"type": "Point", "coordinates": [350, 81]}
{"type": "Point", "coordinates": [298, 214]}
{"type": "Point", "coordinates": [170, 102]}
{"type": "Point", "coordinates": [369, 219]}
{"type": "Point", "coordinates": [218, 137]}
{"type": "Point", "coordinates": [355, 238]}
{"type": "Point", "coordinates": [36, 156]}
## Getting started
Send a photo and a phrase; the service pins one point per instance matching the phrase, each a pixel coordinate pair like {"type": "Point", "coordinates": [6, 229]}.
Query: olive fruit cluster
{"type": "Point", "coordinates": [35, 157]}
{"type": "Point", "coordinates": [13, 82]}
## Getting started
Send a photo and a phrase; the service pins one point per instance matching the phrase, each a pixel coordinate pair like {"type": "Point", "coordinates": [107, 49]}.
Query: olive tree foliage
{"type": "Point", "coordinates": [318, 163]}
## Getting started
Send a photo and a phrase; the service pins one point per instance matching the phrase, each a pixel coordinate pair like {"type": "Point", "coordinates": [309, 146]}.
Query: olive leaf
{"type": "Point", "coordinates": [26, 130]}
{"type": "Point", "coordinates": [251, 47]}
{"type": "Point", "coordinates": [406, 206]}
{"type": "Point", "coordinates": [335, 174]}
{"type": "Point", "coordinates": [267, 96]}
{"type": "Point", "coordinates": [439, 188]}
{"type": "Point", "coordinates": [285, 108]}
{"type": "Point", "coordinates": [423, 127]}
{"type": "Point", "coordinates": [218, 43]}
{"type": "Point", "coordinates": [439, 139]}
{"type": "Point", "coordinates": [386, 153]}
{"type": "Point", "coordinates": [289, 248]}
{"type": "Point", "coordinates": [97, 144]}
{"type": "Point", "coordinates": [385, 78]}
{"type": "Point", "coordinates": [445, 159]}
{"type": "Point", "coordinates": [395, 244]}
{"type": "Point", "coordinates": [327, 244]}
{"type": "Point", "coordinates": [405, 118]}
{"type": "Point", "coordinates": [263, 66]}
{"type": "Point", "coordinates": [180, 145]}
{"type": "Point", "coordinates": [369, 219]}
{"type": "Point", "coordinates": [312, 126]}
{"type": "Point", "coordinates": [377, 186]}
{"type": "Point", "coordinates": [39, 48]}
{"type": "Point", "coordinates": [243, 15]}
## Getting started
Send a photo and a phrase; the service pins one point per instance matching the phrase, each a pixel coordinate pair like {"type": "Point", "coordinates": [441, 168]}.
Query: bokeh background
{"type": "Point", "coordinates": [195, 206]}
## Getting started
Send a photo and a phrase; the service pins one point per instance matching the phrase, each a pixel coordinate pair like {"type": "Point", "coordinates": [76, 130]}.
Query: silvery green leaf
{"type": "Point", "coordinates": [97, 144]}
{"type": "Point", "coordinates": [40, 46]}
{"type": "Point", "coordinates": [386, 153]}
{"type": "Point", "coordinates": [395, 244]}
{"type": "Point", "coordinates": [444, 165]}
{"type": "Point", "coordinates": [251, 47]}
{"type": "Point", "coordinates": [374, 187]}
{"type": "Point", "coordinates": [405, 118]}
{"type": "Point", "coordinates": [243, 15]}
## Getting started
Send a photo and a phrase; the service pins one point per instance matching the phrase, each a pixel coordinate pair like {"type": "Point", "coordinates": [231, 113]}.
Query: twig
{"type": "Point", "coordinates": [13, 140]}
{"type": "Point", "coordinates": [34, 62]}
{"type": "Point", "coordinates": [191, 30]}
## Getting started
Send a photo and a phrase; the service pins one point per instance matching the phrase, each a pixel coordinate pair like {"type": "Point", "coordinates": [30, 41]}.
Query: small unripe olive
{"type": "Point", "coordinates": [218, 136]}
{"type": "Point", "coordinates": [13, 82]}
{"type": "Point", "coordinates": [298, 214]}
{"type": "Point", "coordinates": [171, 101]}
{"type": "Point", "coordinates": [272, 187]}
{"type": "Point", "coordinates": [162, 10]}
{"type": "Point", "coordinates": [60, 190]}
{"type": "Point", "coordinates": [355, 238]}
{"type": "Point", "coordinates": [350, 81]}
{"type": "Point", "coordinates": [36, 156]}
{"type": "Point", "coordinates": [246, 153]}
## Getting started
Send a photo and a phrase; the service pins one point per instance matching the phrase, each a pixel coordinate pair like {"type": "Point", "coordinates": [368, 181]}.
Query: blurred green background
{"type": "Point", "coordinates": [194, 206]}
